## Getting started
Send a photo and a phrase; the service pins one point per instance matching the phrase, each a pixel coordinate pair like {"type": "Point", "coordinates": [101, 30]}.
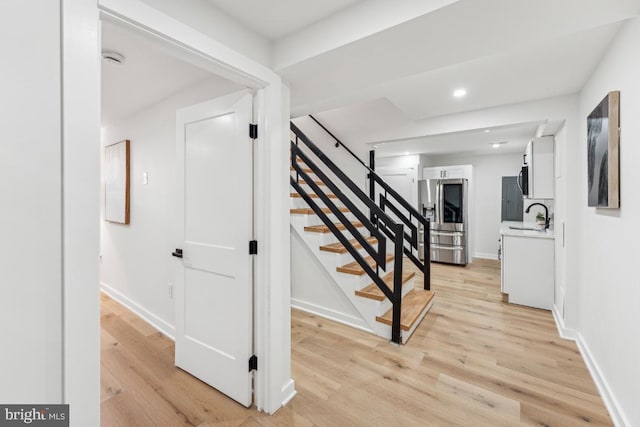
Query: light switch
{"type": "Point", "coordinates": [145, 178]}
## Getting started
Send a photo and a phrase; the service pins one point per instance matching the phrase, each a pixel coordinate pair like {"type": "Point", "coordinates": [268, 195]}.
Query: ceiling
{"type": "Point", "coordinates": [513, 139]}
{"type": "Point", "coordinates": [274, 19]}
{"type": "Point", "coordinates": [369, 67]}
{"type": "Point", "coordinates": [502, 53]}
{"type": "Point", "coordinates": [148, 75]}
{"type": "Point", "coordinates": [353, 124]}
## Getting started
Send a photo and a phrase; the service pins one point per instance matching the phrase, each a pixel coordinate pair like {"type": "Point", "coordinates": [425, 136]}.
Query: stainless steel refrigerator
{"type": "Point", "coordinates": [445, 203]}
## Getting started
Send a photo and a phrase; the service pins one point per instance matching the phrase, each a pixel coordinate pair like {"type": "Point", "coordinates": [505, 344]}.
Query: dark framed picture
{"type": "Point", "coordinates": [116, 191]}
{"type": "Point", "coordinates": [603, 153]}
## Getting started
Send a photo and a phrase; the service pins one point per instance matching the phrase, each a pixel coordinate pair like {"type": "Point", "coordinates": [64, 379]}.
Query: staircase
{"type": "Point", "coordinates": [362, 251]}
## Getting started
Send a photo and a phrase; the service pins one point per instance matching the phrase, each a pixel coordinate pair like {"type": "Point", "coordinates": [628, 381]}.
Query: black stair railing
{"type": "Point", "coordinates": [384, 227]}
{"type": "Point", "coordinates": [390, 199]}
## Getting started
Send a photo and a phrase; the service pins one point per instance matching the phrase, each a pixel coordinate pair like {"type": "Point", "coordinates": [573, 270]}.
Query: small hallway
{"type": "Point", "coordinates": [474, 360]}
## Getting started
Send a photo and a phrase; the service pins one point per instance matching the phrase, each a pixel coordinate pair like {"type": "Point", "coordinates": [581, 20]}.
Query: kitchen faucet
{"type": "Point", "coordinates": [546, 213]}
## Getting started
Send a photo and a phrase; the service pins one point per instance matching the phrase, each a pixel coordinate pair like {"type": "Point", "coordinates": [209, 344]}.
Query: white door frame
{"type": "Point", "coordinates": [273, 385]}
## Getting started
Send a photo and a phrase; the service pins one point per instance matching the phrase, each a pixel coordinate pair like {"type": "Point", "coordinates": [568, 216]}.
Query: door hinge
{"type": "Point", "coordinates": [253, 363]}
{"type": "Point", "coordinates": [253, 247]}
{"type": "Point", "coordinates": [253, 131]}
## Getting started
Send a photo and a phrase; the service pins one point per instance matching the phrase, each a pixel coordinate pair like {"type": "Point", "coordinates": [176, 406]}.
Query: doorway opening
{"type": "Point", "coordinates": [188, 191]}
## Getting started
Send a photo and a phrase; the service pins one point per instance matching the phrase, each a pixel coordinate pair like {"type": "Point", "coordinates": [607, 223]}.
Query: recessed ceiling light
{"type": "Point", "coordinates": [487, 130]}
{"type": "Point", "coordinates": [495, 145]}
{"type": "Point", "coordinates": [406, 153]}
{"type": "Point", "coordinates": [498, 144]}
{"type": "Point", "coordinates": [460, 92]}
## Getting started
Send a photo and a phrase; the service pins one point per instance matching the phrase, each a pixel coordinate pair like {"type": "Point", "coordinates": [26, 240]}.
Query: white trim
{"type": "Point", "coordinates": [616, 413]}
{"type": "Point", "coordinates": [161, 325]}
{"type": "Point", "coordinates": [217, 57]}
{"type": "Point", "coordinates": [483, 255]}
{"type": "Point", "coordinates": [614, 408]}
{"type": "Point", "coordinates": [563, 331]}
{"type": "Point", "coordinates": [289, 392]}
{"type": "Point", "coordinates": [80, 231]}
{"type": "Point", "coordinates": [272, 231]}
{"type": "Point", "coordinates": [327, 313]}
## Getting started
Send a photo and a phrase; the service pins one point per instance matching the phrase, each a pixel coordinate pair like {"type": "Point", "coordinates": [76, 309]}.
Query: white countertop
{"type": "Point", "coordinates": [506, 231]}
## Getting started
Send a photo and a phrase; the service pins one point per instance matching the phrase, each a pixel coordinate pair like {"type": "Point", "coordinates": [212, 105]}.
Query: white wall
{"type": "Point", "coordinates": [338, 155]}
{"type": "Point", "coordinates": [31, 208]}
{"type": "Point", "coordinates": [137, 265]}
{"type": "Point", "coordinates": [203, 16]}
{"type": "Point", "coordinates": [315, 291]}
{"type": "Point", "coordinates": [488, 171]}
{"type": "Point", "coordinates": [609, 286]}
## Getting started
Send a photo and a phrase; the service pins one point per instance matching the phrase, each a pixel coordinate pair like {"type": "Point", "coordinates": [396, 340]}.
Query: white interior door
{"type": "Point", "coordinates": [403, 181]}
{"type": "Point", "coordinates": [214, 290]}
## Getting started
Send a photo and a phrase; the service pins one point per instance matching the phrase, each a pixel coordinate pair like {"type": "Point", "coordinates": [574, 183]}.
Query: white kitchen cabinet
{"type": "Point", "coordinates": [432, 173]}
{"type": "Point", "coordinates": [444, 172]}
{"type": "Point", "coordinates": [539, 156]}
{"type": "Point", "coordinates": [528, 270]}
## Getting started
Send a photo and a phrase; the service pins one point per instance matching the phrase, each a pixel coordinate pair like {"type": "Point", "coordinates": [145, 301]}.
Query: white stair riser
{"type": "Point", "coordinates": [385, 305]}
{"type": "Point", "coordinates": [328, 238]}
{"type": "Point", "coordinates": [307, 188]}
{"type": "Point", "coordinates": [407, 334]}
{"type": "Point", "coordinates": [359, 282]}
{"type": "Point", "coordinates": [313, 219]}
{"type": "Point", "coordinates": [298, 202]}
{"type": "Point", "coordinates": [342, 259]}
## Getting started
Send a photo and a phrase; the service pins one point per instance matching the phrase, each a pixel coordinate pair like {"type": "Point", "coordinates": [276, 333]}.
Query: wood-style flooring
{"type": "Point", "coordinates": [474, 361]}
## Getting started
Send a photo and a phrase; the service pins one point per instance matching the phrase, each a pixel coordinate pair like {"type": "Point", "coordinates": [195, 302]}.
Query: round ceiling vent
{"type": "Point", "coordinates": [112, 57]}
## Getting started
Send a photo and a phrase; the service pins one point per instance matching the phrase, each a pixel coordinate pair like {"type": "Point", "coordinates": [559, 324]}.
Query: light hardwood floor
{"type": "Point", "coordinates": [474, 361]}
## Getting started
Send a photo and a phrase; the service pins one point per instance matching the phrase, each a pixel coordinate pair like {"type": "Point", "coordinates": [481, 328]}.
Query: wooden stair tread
{"type": "Point", "coordinates": [325, 229]}
{"type": "Point", "coordinates": [313, 196]}
{"type": "Point", "coordinates": [412, 306]}
{"type": "Point", "coordinates": [355, 268]}
{"type": "Point", "coordinates": [309, 211]}
{"type": "Point", "coordinates": [372, 291]}
{"type": "Point", "coordinates": [320, 183]}
{"type": "Point", "coordinates": [305, 170]}
{"type": "Point", "coordinates": [339, 248]}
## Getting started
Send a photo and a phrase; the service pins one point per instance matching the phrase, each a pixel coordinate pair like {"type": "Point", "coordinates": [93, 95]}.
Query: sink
{"type": "Point", "coordinates": [524, 228]}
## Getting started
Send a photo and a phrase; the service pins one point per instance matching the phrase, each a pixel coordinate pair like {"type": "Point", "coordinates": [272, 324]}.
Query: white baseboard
{"type": "Point", "coordinates": [611, 403]}
{"type": "Point", "coordinates": [289, 391]}
{"type": "Point", "coordinates": [563, 331]}
{"type": "Point", "coordinates": [161, 325]}
{"type": "Point", "coordinates": [616, 413]}
{"type": "Point", "coordinates": [485, 255]}
{"type": "Point", "coordinates": [327, 313]}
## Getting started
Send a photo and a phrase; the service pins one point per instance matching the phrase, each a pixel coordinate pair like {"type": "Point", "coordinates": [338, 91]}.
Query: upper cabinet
{"type": "Point", "coordinates": [444, 172]}
{"type": "Point", "coordinates": [539, 159]}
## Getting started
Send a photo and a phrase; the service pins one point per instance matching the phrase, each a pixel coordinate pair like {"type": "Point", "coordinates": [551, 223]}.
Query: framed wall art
{"type": "Point", "coordinates": [603, 153]}
{"type": "Point", "coordinates": [117, 177]}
